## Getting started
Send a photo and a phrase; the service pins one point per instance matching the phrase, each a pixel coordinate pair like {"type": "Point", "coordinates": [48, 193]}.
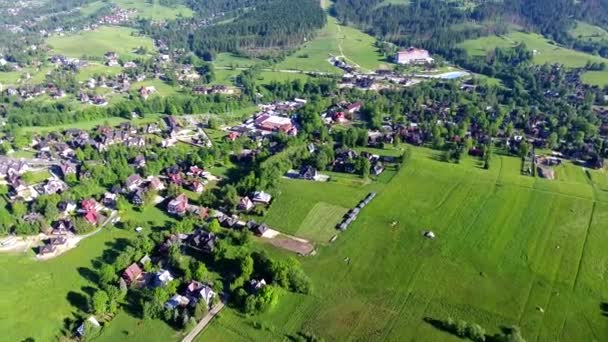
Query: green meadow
{"type": "Point", "coordinates": [586, 31]}
{"type": "Point", "coordinates": [121, 40]}
{"type": "Point", "coordinates": [335, 40]}
{"type": "Point", "coordinates": [152, 9]}
{"type": "Point", "coordinates": [546, 50]}
{"type": "Point", "coordinates": [510, 250]}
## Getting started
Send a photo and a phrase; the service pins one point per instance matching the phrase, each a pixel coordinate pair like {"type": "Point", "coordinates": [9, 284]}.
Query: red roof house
{"type": "Point", "coordinates": [178, 205]}
{"type": "Point", "coordinates": [132, 273]}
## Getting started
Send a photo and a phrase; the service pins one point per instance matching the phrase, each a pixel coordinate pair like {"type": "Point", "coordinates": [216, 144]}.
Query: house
{"type": "Point", "coordinates": [257, 285]}
{"type": "Point", "coordinates": [155, 184]}
{"type": "Point", "coordinates": [46, 249]}
{"type": "Point", "coordinates": [53, 186]}
{"type": "Point", "coordinates": [413, 56]}
{"type": "Point", "coordinates": [57, 241]}
{"type": "Point", "coordinates": [259, 229]}
{"type": "Point", "coordinates": [145, 92]}
{"type": "Point", "coordinates": [109, 199]}
{"type": "Point", "coordinates": [245, 204]}
{"type": "Point", "coordinates": [261, 197]}
{"type": "Point", "coordinates": [132, 273]}
{"type": "Point", "coordinates": [196, 186]}
{"type": "Point", "coordinates": [133, 182]}
{"type": "Point", "coordinates": [66, 207]}
{"type": "Point", "coordinates": [92, 321]}
{"type": "Point", "coordinates": [203, 240]}
{"type": "Point", "coordinates": [377, 168]}
{"type": "Point", "coordinates": [138, 197]}
{"type": "Point", "coordinates": [177, 301]}
{"type": "Point", "coordinates": [161, 278]}
{"type": "Point", "coordinates": [89, 205]}
{"type": "Point", "coordinates": [308, 172]}
{"type": "Point", "coordinates": [139, 161]}
{"type": "Point", "coordinates": [275, 123]}
{"type": "Point", "coordinates": [232, 136]}
{"type": "Point", "coordinates": [354, 107]}
{"type": "Point", "coordinates": [178, 205]}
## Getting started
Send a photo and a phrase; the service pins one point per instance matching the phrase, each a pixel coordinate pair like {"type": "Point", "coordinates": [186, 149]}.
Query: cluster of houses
{"type": "Point", "coordinates": [118, 16]}
{"type": "Point", "coordinates": [345, 161]}
{"type": "Point", "coordinates": [63, 228]}
{"type": "Point", "coordinates": [341, 113]}
{"type": "Point", "coordinates": [272, 118]}
{"type": "Point", "coordinates": [351, 216]}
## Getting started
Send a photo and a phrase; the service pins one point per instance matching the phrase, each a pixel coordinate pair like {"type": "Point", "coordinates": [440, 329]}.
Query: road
{"type": "Point", "coordinates": [203, 323]}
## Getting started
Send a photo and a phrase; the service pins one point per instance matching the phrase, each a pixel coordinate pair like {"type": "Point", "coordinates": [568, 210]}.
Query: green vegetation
{"type": "Point", "coordinates": [87, 125]}
{"type": "Point", "coordinates": [586, 31]}
{"type": "Point", "coordinates": [53, 287]}
{"type": "Point", "coordinates": [94, 69]}
{"type": "Point", "coordinates": [335, 40]}
{"type": "Point", "coordinates": [546, 51]}
{"type": "Point", "coordinates": [320, 222]}
{"type": "Point", "coordinates": [154, 10]}
{"type": "Point", "coordinates": [599, 78]}
{"type": "Point", "coordinates": [121, 40]}
{"type": "Point", "coordinates": [35, 177]}
{"type": "Point", "coordinates": [491, 263]}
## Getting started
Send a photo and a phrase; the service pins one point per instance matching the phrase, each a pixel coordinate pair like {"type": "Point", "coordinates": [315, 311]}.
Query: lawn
{"type": "Point", "coordinates": [547, 51]}
{"type": "Point", "coordinates": [227, 59]}
{"type": "Point", "coordinates": [507, 246]}
{"type": "Point", "coordinates": [121, 40]}
{"type": "Point", "coordinates": [335, 40]}
{"type": "Point", "coordinates": [88, 125]}
{"type": "Point", "coordinates": [297, 200]}
{"type": "Point", "coordinates": [154, 10]}
{"type": "Point", "coordinates": [599, 78]}
{"type": "Point", "coordinates": [587, 32]}
{"type": "Point", "coordinates": [39, 295]}
{"type": "Point", "coordinates": [320, 223]}
{"type": "Point", "coordinates": [94, 69]}
{"type": "Point", "coordinates": [162, 88]}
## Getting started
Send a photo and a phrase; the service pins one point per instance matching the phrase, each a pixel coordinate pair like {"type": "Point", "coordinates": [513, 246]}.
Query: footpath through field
{"type": "Point", "coordinates": [203, 323]}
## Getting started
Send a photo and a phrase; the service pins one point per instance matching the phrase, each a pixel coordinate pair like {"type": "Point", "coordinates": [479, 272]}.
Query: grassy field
{"type": "Point", "coordinates": [38, 296]}
{"type": "Point", "coordinates": [88, 125]}
{"type": "Point", "coordinates": [162, 88]}
{"type": "Point", "coordinates": [94, 69]}
{"type": "Point", "coordinates": [335, 40]}
{"type": "Point", "coordinates": [586, 31]}
{"type": "Point", "coordinates": [599, 78]}
{"type": "Point", "coordinates": [150, 10]}
{"type": "Point", "coordinates": [507, 246]}
{"type": "Point", "coordinates": [547, 52]}
{"type": "Point", "coordinates": [229, 60]}
{"type": "Point", "coordinates": [96, 43]}
{"type": "Point", "coordinates": [155, 10]}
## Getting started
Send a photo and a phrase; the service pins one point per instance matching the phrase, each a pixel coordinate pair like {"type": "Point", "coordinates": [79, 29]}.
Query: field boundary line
{"type": "Point", "coordinates": [580, 260]}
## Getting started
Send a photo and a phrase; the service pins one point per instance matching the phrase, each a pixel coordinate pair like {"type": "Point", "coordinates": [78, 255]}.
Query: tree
{"type": "Point", "coordinates": [214, 226]}
{"type": "Point", "coordinates": [476, 333]}
{"type": "Point", "coordinates": [364, 167]}
{"type": "Point", "coordinates": [99, 302]}
{"type": "Point", "coordinates": [200, 271]}
{"type": "Point", "coordinates": [107, 274]}
{"type": "Point", "coordinates": [19, 209]}
{"type": "Point", "coordinates": [200, 310]}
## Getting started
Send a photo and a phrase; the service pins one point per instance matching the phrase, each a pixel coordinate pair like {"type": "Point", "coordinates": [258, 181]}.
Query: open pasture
{"type": "Point", "coordinates": [546, 50]}
{"type": "Point", "coordinates": [94, 44]}
{"type": "Point", "coordinates": [510, 250]}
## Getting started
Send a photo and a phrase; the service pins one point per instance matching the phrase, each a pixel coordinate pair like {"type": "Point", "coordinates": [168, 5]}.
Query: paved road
{"type": "Point", "coordinates": [203, 323]}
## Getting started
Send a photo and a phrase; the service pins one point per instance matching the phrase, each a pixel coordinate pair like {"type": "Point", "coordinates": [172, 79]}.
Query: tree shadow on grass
{"type": "Point", "coordinates": [78, 300]}
{"type": "Point", "coordinates": [88, 274]}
